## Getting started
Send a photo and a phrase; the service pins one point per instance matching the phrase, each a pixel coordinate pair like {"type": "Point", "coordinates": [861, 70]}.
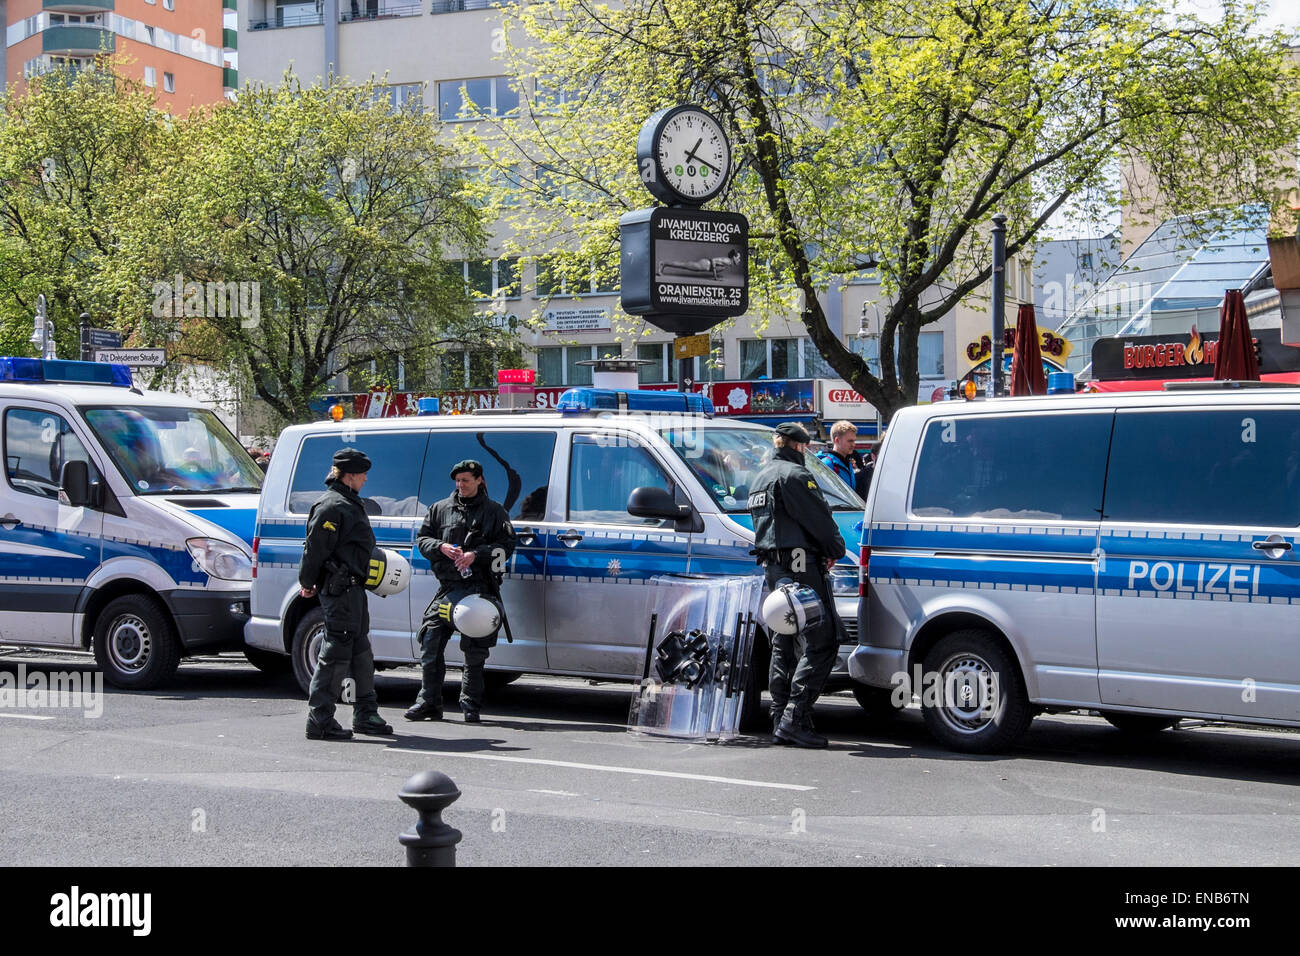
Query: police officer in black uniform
{"type": "Point", "coordinates": [335, 563]}
{"type": "Point", "coordinates": [467, 537]}
{"type": "Point", "coordinates": [796, 537]}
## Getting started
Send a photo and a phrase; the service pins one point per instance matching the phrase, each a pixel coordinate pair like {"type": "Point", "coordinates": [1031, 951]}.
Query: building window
{"type": "Point", "coordinates": [461, 100]}
{"type": "Point", "coordinates": [490, 278]}
{"type": "Point", "coordinates": [550, 285]}
{"type": "Point", "coordinates": [169, 4]}
{"type": "Point", "coordinates": [169, 82]}
{"type": "Point", "coordinates": [403, 96]}
{"type": "Point", "coordinates": [558, 364]}
{"type": "Point", "coordinates": [150, 76]}
{"type": "Point", "coordinates": [784, 358]}
{"type": "Point", "coordinates": [929, 353]}
{"type": "Point", "coordinates": [703, 369]}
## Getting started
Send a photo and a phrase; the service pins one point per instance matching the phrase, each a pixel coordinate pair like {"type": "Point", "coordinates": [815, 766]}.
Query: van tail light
{"type": "Point", "coordinates": [256, 542]}
{"type": "Point", "coordinates": [864, 559]}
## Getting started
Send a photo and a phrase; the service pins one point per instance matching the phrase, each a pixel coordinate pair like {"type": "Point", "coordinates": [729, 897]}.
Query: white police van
{"type": "Point", "coordinates": [1132, 554]}
{"type": "Point", "coordinates": [126, 520]}
{"type": "Point", "coordinates": [575, 590]}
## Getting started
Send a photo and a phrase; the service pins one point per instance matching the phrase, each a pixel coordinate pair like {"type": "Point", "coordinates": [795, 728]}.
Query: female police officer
{"type": "Point", "coordinates": [335, 562]}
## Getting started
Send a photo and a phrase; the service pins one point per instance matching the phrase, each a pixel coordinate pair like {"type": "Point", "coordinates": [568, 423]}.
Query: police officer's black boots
{"type": "Point", "coordinates": [372, 725]}
{"type": "Point", "coordinates": [331, 731]}
{"type": "Point", "coordinates": [425, 711]}
{"type": "Point", "coordinates": [797, 731]}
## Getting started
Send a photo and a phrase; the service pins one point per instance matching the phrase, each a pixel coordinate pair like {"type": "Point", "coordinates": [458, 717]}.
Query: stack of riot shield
{"type": "Point", "coordinates": [697, 657]}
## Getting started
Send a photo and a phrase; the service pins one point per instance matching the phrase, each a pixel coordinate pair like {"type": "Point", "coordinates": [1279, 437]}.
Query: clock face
{"type": "Point", "coordinates": [693, 155]}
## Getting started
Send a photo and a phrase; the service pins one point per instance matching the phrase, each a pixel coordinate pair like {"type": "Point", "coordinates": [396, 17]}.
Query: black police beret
{"type": "Point", "coordinates": [351, 461]}
{"type": "Point", "coordinates": [793, 431]}
{"type": "Point", "coordinates": [470, 465]}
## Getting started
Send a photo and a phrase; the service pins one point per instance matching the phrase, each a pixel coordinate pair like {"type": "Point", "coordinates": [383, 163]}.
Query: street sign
{"type": "Point", "coordinates": [136, 358]}
{"type": "Point", "coordinates": [690, 346]}
{"type": "Point", "coordinates": [103, 339]}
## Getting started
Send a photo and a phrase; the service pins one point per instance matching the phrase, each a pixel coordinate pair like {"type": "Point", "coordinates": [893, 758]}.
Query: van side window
{"type": "Point", "coordinates": [1206, 467]}
{"type": "Point", "coordinates": [603, 471]}
{"type": "Point", "coordinates": [37, 444]}
{"type": "Point", "coordinates": [393, 486]}
{"type": "Point", "coordinates": [1045, 467]}
{"type": "Point", "coordinates": [516, 468]}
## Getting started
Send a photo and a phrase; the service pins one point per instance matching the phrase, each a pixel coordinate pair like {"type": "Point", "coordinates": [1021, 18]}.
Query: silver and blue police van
{"type": "Point", "coordinates": [1132, 554]}
{"type": "Point", "coordinates": [576, 588]}
{"type": "Point", "coordinates": [126, 520]}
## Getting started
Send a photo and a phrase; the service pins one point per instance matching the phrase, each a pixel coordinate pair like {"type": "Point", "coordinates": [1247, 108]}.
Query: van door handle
{"type": "Point", "coordinates": [10, 521]}
{"type": "Point", "coordinates": [526, 538]}
{"type": "Point", "coordinates": [569, 536]}
{"type": "Point", "coordinates": [1274, 542]}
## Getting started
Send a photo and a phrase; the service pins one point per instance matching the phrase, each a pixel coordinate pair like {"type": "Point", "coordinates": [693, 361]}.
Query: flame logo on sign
{"type": "Point", "coordinates": [1195, 350]}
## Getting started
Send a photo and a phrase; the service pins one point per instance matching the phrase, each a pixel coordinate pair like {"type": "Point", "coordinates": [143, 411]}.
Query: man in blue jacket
{"type": "Point", "coordinates": [845, 461]}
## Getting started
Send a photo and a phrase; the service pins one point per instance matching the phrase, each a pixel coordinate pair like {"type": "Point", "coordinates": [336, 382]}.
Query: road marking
{"type": "Point", "coordinates": [605, 769]}
{"type": "Point", "coordinates": [557, 793]}
{"type": "Point", "coordinates": [28, 716]}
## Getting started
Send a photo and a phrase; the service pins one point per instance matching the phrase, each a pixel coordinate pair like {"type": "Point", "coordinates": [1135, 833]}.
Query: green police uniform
{"type": "Point", "coordinates": [335, 561]}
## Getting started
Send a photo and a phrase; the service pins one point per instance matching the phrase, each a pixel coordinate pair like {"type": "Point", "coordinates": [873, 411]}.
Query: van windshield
{"type": "Point", "coordinates": [173, 450]}
{"type": "Point", "coordinates": [726, 460]}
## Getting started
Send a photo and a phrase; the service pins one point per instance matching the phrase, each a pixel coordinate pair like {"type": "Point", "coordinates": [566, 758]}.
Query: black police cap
{"type": "Point", "coordinates": [470, 465]}
{"type": "Point", "coordinates": [793, 431]}
{"type": "Point", "coordinates": [351, 461]}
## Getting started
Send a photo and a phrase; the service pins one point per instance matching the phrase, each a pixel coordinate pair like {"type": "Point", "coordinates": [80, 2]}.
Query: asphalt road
{"type": "Point", "coordinates": [216, 770]}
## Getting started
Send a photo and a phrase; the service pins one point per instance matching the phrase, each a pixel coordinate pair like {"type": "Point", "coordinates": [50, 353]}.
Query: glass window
{"type": "Point", "coordinates": [453, 105]}
{"type": "Point", "coordinates": [169, 83]}
{"type": "Point", "coordinates": [929, 354]}
{"type": "Point", "coordinates": [814, 366]}
{"type": "Point", "coordinates": [1206, 467]}
{"type": "Point", "coordinates": [479, 276]}
{"type": "Point", "coordinates": [753, 359]}
{"type": "Point", "coordinates": [173, 450]}
{"type": "Point", "coordinates": [37, 444]}
{"type": "Point", "coordinates": [508, 282]}
{"type": "Point", "coordinates": [550, 365]}
{"type": "Point", "coordinates": [1046, 467]}
{"type": "Point", "coordinates": [575, 374]}
{"type": "Point", "coordinates": [516, 468]}
{"type": "Point", "coordinates": [602, 473]}
{"type": "Point", "coordinates": [507, 98]}
{"type": "Point", "coordinates": [394, 482]}
{"type": "Point", "coordinates": [785, 358]}
{"type": "Point", "coordinates": [652, 374]}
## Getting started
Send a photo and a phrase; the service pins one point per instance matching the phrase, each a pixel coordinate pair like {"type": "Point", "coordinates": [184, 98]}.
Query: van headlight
{"type": "Point", "coordinates": [219, 559]}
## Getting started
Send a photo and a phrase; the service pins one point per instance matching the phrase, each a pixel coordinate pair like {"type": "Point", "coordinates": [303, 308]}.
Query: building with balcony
{"type": "Point", "coordinates": [185, 52]}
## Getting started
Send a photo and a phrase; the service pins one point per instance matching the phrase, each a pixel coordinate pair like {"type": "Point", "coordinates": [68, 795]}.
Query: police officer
{"type": "Point", "coordinates": [335, 562]}
{"type": "Point", "coordinates": [467, 537]}
{"type": "Point", "coordinates": [796, 537]}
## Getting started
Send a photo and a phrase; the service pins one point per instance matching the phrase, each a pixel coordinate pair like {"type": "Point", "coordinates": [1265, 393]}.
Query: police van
{"type": "Point", "coordinates": [576, 589]}
{"type": "Point", "coordinates": [1132, 554]}
{"type": "Point", "coordinates": [126, 520]}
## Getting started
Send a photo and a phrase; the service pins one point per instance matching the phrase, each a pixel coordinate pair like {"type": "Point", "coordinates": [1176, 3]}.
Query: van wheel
{"type": "Point", "coordinates": [975, 702]}
{"type": "Point", "coordinates": [876, 702]}
{"type": "Point", "coordinates": [268, 662]}
{"type": "Point", "coordinates": [135, 643]}
{"type": "Point", "coordinates": [495, 680]}
{"type": "Point", "coordinates": [1139, 723]}
{"type": "Point", "coordinates": [305, 651]}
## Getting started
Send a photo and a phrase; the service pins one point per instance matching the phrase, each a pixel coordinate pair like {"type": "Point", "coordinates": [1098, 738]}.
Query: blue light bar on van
{"type": "Point", "coordinates": [631, 400]}
{"type": "Point", "coordinates": [14, 369]}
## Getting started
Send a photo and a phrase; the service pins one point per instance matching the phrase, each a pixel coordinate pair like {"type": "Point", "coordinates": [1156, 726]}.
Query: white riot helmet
{"type": "Point", "coordinates": [791, 607]}
{"type": "Point", "coordinates": [389, 572]}
{"type": "Point", "coordinates": [476, 616]}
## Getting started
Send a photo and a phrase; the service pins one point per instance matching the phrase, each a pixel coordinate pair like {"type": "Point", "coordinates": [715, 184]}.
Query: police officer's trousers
{"type": "Point", "coordinates": [434, 635]}
{"type": "Point", "coordinates": [801, 663]}
{"type": "Point", "coordinates": [344, 651]}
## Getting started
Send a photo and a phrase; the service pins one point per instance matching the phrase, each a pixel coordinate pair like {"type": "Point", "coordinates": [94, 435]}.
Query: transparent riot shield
{"type": "Point", "coordinates": [697, 657]}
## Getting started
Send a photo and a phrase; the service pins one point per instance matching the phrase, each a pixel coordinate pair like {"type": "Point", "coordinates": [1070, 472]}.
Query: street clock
{"type": "Point", "coordinates": [683, 156]}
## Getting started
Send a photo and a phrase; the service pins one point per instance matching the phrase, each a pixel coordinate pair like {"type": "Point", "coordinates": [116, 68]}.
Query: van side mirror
{"type": "Point", "coordinates": [653, 502]}
{"type": "Point", "coordinates": [74, 483]}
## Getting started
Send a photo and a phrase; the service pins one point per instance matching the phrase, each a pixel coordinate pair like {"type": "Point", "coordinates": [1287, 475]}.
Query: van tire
{"type": "Point", "coordinates": [876, 702]}
{"type": "Point", "coordinates": [1140, 723]}
{"type": "Point", "coordinates": [980, 655]}
{"type": "Point", "coordinates": [135, 643]}
{"type": "Point", "coordinates": [305, 650]}
{"type": "Point", "coordinates": [268, 662]}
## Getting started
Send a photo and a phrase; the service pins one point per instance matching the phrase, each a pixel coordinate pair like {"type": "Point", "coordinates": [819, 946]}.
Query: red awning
{"type": "Point", "coordinates": [1158, 384]}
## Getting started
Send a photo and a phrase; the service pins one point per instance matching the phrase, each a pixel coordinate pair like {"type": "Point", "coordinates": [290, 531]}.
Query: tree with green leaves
{"type": "Point", "coordinates": [881, 136]}
{"type": "Point", "coordinates": [339, 215]}
{"type": "Point", "coordinates": [78, 151]}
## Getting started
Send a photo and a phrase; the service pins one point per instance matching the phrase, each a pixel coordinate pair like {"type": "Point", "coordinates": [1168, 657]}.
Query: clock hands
{"type": "Point", "coordinates": [690, 155]}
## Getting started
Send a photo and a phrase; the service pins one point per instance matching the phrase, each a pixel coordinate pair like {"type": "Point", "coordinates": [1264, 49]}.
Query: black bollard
{"type": "Point", "coordinates": [430, 842]}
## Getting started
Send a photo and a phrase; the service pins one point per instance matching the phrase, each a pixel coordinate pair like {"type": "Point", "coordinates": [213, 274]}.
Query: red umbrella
{"type": "Point", "coordinates": [1235, 355]}
{"type": "Point", "coordinates": [1027, 376]}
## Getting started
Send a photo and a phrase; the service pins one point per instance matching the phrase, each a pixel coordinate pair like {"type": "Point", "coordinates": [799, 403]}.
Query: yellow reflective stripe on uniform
{"type": "Point", "coordinates": [376, 573]}
{"type": "Point", "coordinates": [328, 526]}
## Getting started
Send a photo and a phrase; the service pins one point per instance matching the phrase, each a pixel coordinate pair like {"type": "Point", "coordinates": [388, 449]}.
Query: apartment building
{"type": "Point", "coordinates": [429, 49]}
{"type": "Point", "coordinates": [185, 50]}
